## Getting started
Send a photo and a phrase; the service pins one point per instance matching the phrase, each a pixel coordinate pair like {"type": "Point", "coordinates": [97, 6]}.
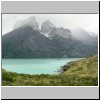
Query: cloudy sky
{"type": "Point", "coordinates": [88, 22]}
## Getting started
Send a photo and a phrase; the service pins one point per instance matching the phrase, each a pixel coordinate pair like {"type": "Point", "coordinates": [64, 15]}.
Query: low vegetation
{"type": "Point", "coordinates": [78, 73]}
{"type": "Point", "coordinates": [82, 68]}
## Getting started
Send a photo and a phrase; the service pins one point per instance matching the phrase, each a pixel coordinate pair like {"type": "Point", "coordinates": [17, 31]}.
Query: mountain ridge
{"type": "Point", "coordinates": [28, 41]}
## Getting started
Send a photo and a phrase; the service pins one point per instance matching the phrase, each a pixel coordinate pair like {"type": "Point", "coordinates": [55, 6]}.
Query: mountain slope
{"type": "Point", "coordinates": [24, 42]}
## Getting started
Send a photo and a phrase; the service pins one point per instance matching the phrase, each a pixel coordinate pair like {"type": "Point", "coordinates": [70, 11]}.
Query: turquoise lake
{"type": "Point", "coordinates": [35, 66]}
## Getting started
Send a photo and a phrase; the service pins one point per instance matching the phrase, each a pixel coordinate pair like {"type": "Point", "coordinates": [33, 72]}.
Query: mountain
{"type": "Point", "coordinates": [47, 26]}
{"type": "Point", "coordinates": [84, 36]}
{"type": "Point", "coordinates": [24, 42]}
{"type": "Point", "coordinates": [28, 41]}
{"type": "Point", "coordinates": [31, 21]}
{"type": "Point", "coordinates": [73, 43]}
{"type": "Point", "coordinates": [50, 30]}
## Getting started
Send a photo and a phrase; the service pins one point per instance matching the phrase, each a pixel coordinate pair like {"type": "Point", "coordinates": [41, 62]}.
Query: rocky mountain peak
{"type": "Point", "coordinates": [31, 21]}
{"type": "Point", "coordinates": [47, 26]}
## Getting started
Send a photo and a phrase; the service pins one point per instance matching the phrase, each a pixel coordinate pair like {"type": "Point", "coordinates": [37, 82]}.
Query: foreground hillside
{"type": "Point", "coordinates": [82, 68]}
{"type": "Point", "coordinates": [78, 73]}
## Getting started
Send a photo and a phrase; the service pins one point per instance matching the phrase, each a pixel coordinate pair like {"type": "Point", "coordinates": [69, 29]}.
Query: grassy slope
{"type": "Point", "coordinates": [82, 68]}
{"type": "Point", "coordinates": [78, 73]}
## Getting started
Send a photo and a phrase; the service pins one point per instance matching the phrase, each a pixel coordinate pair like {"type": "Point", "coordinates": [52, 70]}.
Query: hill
{"type": "Point", "coordinates": [83, 68]}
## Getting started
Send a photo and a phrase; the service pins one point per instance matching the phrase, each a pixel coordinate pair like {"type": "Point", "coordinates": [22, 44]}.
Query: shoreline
{"type": "Point", "coordinates": [77, 73]}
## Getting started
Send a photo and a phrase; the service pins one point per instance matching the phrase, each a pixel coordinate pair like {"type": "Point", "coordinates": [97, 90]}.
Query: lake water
{"type": "Point", "coordinates": [35, 66]}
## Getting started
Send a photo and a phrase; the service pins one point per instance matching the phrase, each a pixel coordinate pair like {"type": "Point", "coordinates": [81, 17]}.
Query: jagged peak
{"type": "Point", "coordinates": [47, 26]}
{"type": "Point", "coordinates": [30, 21]}
{"type": "Point", "coordinates": [48, 22]}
